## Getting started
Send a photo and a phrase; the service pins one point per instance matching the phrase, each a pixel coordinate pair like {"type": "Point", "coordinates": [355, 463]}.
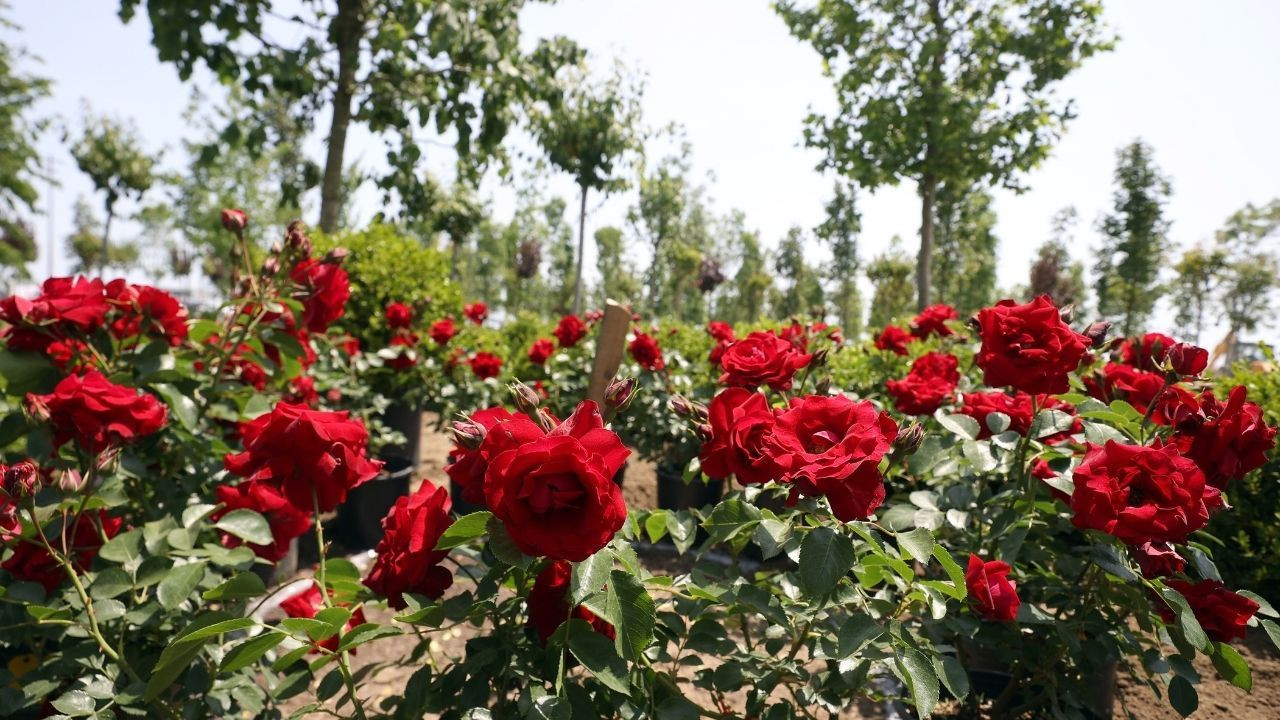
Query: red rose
{"type": "Point", "coordinates": [1117, 381]}
{"type": "Point", "coordinates": [540, 350]}
{"type": "Point", "coordinates": [146, 310]}
{"type": "Point", "coordinates": [467, 465]}
{"type": "Point", "coordinates": [79, 302]}
{"type": "Point", "coordinates": [894, 339]}
{"type": "Point", "coordinates": [1157, 559]}
{"type": "Point", "coordinates": [302, 389]}
{"type": "Point", "coordinates": [350, 345]}
{"type": "Point", "coordinates": [832, 446]}
{"type": "Point", "coordinates": [933, 321]}
{"type": "Point", "coordinates": [476, 312]}
{"type": "Point", "coordinates": [1145, 353]}
{"type": "Point", "coordinates": [721, 331]}
{"type": "Point", "coordinates": [286, 521]}
{"type": "Point", "coordinates": [406, 358]}
{"type": "Point", "coordinates": [548, 603]}
{"type": "Point", "coordinates": [646, 351]}
{"type": "Point", "coordinates": [97, 413]}
{"type": "Point", "coordinates": [302, 450]}
{"type": "Point", "coordinates": [1140, 494]}
{"type": "Point", "coordinates": [485, 365]}
{"type": "Point", "coordinates": [762, 358]}
{"type": "Point", "coordinates": [234, 220]}
{"type": "Point", "coordinates": [1028, 347]}
{"type": "Point", "coordinates": [71, 355]}
{"type": "Point", "coordinates": [555, 494]}
{"type": "Point", "coordinates": [740, 421]}
{"type": "Point", "coordinates": [21, 479]}
{"type": "Point", "coordinates": [307, 603]}
{"type": "Point", "coordinates": [932, 380]}
{"type": "Point", "coordinates": [569, 331]}
{"type": "Point", "coordinates": [1226, 440]}
{"type": "Point", "coordinates": [407, 560]}
{"type": "Point", "coordinates": [1222, 614]}
{"type": "Point", "coordinates": [1016, 406]}
{"type": "Point", "coordinates": [1187, 359]}
{"type": "Point", "coordinates": [995, 596]}
{"type": "Point", "coordinates": [399, 315]}
{"type": "Point", "coordinates": [33, 563]}
{"type": "Point", "coordinates": [442, 331]}
{"type": "Point", "coordinates": [326, 290]}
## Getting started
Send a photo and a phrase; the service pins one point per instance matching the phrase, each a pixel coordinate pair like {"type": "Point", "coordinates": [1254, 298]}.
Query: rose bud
{"type": "Point", "coordinates": [276, 248]}
{"type": "Point", "coordinates": [234, 220]}
{"type": "Point", "coordinates": [681, 406]}
{"type": "Point", "coordinates": [1067, 313]}
{"type": "Point", "coordinates": [36, 408]}
{"type": "Point", "coordinates": [336, 255]}
{"type": "Point", "coordinates": [546, 420]}
{"type": "Point", "coordinates": [270, 266]}
{"type": "Point", "coordinates": [619, 394]}
{"type": "Point", "coordinates": [823, 387]}
{"type": "Point", "coordinates": [1097, 333]}
{"type": "Point", "coordinates": [68, 481]}
{"type": "Point", "coordinates": [525, 398]}
{"type": "Point", "coordinates": [819, 358]}
{"type": "Point", "coordinates": [334, 396]}
{"type": "Point", "coordinates": [468, 433]}
{"type": "Point", "coordinates": [22, 479]}
{"type": "Point", "coordinates": [705, 432]}
{"type": "Point", "coordinates": [1187, 359]}
{"type": "Point", "coordinates": [908, 439]}
{"type": "Point", "coordinates": [106, 457]}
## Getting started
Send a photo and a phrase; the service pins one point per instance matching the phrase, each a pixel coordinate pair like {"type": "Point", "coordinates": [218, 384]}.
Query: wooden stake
{"type": "Point", "coordinates": [610, 346]}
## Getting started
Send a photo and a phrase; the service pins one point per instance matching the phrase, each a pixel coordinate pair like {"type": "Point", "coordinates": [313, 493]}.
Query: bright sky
{"type": "Point", "coordinates": [1196, 80]}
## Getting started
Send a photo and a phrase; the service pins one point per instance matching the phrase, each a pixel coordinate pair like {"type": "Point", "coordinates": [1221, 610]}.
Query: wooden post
{"type": "Point", "coordinates": [610, 346]}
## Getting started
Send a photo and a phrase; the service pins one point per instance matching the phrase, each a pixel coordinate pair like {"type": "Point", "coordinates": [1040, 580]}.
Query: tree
{"type": "Point", "coordinates": [20, 159]}
{"type": "Point", "coordinates": [802, 296]}
{"type": "Point", "coordinates": [750, 285]}
{"type": "Point", "coordinates": [890, 274]}
{"type": "Point", "coordinates": [617, 282]}
{"type": "Point", "coordinates": [1250, 276]}
{"type": "Point", "coordinates": [1135, 239]}
{"type": "Point", "coordinates": [965, 252]}
{"type": "Point", "coordinates": [657, 215]}
{"type": "Point", "coordinates": [1053, 272]}
{"type": "Point", "coordinates": [394, 66]}
{"type": "Point", "coordinates": [110, 152]}
{"type": "Point", "coordinates": [944, 92]}
{"type": "Point", "coordinates": [587, 129]}
{"type": "Point", "coordinates": [87, 246]}
{"type": "Point", "coordinates": [1194, 288]}
{"type": "Point", "coordinates": [839, 230]}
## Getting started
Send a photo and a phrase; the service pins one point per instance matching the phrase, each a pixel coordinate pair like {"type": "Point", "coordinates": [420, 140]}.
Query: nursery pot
{"type": "Point", "coordinates": [675, 494]}
{"type": "Point", "coordinates": [990, 678]}
{"type": "Point", "coordinates": [408, 422]}
{"type": "Point", "coordinates": [359, 522]}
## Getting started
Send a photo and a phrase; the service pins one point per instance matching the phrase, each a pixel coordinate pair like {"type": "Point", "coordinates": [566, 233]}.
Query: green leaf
{"type": "Point", "coordinates": [195, 513]}
{"type": "Point", "coordinates": [899, 517]}
{"type": "Point", "coordinates": [729, 518]}
{"type": "Point", "coordinates": [464, 530]}
{"type": "Point", "coordinates": [921, 679]}
{"type": "Point", "coordinates": [75, 703]}
{"type": "Point", "coordinates": [1231, 667]}
{"type": "Point", "coordinates": [1182, 696]}
{"type": "Point", "coordinates": [1186, 619]}
{"type": "Point", "coordinates": [23, 372]}
{"type": "Point", "coordinates": [1051, 422]}
{"type": "Point", "coordinates": [123, 547]}
{"type": "Point", "coordinates": [111, 582]}
{"type": "Point", "coordinates": [368, 632]}
{"type": "Point", "coordinates": [954, 572]}
{"type": "Point", "coordinates": [246, 525]}
{"type": "Point", "coordinates": [175, 658]}
{"type": "Point", "coordinates": [178, 585]}
{"type": "Point", "coordinates": [961, 425]}
{"type": "Point", "coordinates": [1273, 632]}
{"type": "Point", "coordinates": [917, 544]}
{"type": "Point", "coordinates": [250, 651]}
{"type": "Point", "coordinates": [241, 586]}
{"type": "Point", "coordinates": [183, 407]}
{"type": "Point", "coordinates": [856, 633]}
{"type": "Point", "coordinates": [590, 576]}
{"type": "Point", "coordinates": [549, 707]}
{"type": "Point", "coordinates": [503, 547]}
{"type": "Point", "coordinates": [655, 525]}
{"type": "Point", "coordinates": [1264, 607]}
{"type": "Point", "coordinates": [825, 557]}
{"type": "Point", "coordinates": [953, 675]}
{"type": "Point", "coordinates": [628, 601]}
{"type": "Point", "coordinates": [597, 654]}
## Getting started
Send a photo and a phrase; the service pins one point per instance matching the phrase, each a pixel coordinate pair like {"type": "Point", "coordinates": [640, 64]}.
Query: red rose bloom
{"type": "Point", "coordinates": [1187, 359]}
{"type": "Point", "coordinates": [555, 494]}
{"type": "Point", "coordinates": [932, 380]}
{"type": "Point", "coordinates": [994, 595]}
{"type": "Point", "coordinates": [476, 312]}
{"type": "Point", "coordinates": [548, 603]}
{"type": "Point", "coordinates": [71, 355]}
{"type": "Point", "coordinates": [407, 558]}
{"type": "Point", "coordinates": [1145, 353]}
{"type": "Point", "coordinates": [1028, 347]}
{"type": "Point", "coordinates": [33, 563]}
{"type": "Point", "coordinates": [309, 602]}
{"type": "Point", "coordinates": [540, 350]}
{"type": "Point", "coordinates": [1117, 381]}
{"type": "Point", "coordinates": [832, 446]}
{"type": "Point", "coordinates": [485, 365]}
{"type": "Point", "coordinates": [1224, 615]}
{"type": "Point", "coordinates": [646, 351]}
{"type": "Point", "coordinates": [762, 358]}
{"type": "Point", "coordinates": [406, 358]}
{"type": "Point", "coordinates": [933, 321]}
{"type": "Point", "coordinates": [1140, 494]}
{"type": "Point", "coordinates": [1016, 406]}
{"type": "Point", "coordinates": [146, 310]}
{"type": "Point", "coordinates": [467, 466]}
{"type": "Point", "coordinates": [443, 330]}
{"type": "Point", "coordinates": [740, 421]}
{"type": "Point", "coordinates": [97, 413]}
{"type": "Point", "coordinates": [286, 521]}
{"type": "Point", "coordinates": [302, 450]}
{"type": "Point", "coordinates": [78, 302]}
{"type": "Point", "coordinates": [569, 331]}
{"type": "Point", "coordinates": [326, 290]}
{"type": "Point", "coordinates": [399, 315]}
{"type": "Point", "coordinates": [721, 331]}
{"type": "Point", "coordinates": [1226, 440]}
{"type": "Point", "coordinates": [350, 345]}
{"type": "Point", "coordinates": [894, 339]}
{"type": "Point", "coordinates": [302, 389]}
{"type": "Point", "coordinates": [1157, 559]}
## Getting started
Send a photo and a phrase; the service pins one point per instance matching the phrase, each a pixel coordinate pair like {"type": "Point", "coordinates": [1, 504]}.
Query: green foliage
{"type": "Point", "coordinates": [839, 230]}
{"type": "Point", "coordinates": [86, 242]}
{"type": "Point", "coordinates": [747, 291]}
{"type": "Point", "coordinates": [802, 295]}
{"type": "Point", "coordinates": [1250, 276]}
{"type": "Point", "coordinates": [1054, 272]}
{"type": "Point", "coordinates": [965, 250]}
{"type": "Point", "coordinates": [20, 161]}
{"type": "Point", "coordinates": [890, 274]}
{"type": "Point", "coordinates": [617, 281]}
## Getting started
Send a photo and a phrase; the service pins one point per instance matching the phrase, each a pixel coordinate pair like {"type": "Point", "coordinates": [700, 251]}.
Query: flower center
{"type": "Point", "coordinates": [552, 492]}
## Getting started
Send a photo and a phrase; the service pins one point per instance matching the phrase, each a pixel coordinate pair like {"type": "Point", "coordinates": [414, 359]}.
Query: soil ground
{"type": "Point", "coordinates": [1218, 699]}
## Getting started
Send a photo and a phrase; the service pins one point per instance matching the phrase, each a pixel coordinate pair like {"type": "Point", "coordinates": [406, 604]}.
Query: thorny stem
{"type": "Point", "coordinates": [343, 667]}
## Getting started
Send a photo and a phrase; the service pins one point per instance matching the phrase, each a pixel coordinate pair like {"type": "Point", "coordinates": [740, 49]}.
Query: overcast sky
{"type": "Point", "coordinates": [1196, 80]}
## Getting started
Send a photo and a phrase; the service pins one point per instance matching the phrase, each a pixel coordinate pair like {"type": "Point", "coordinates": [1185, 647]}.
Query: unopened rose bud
{"type": "Point", "coordinates": [1097, 333]}
{"type": "Point", "coordinates": [908, 439]}
{"type": "Point", "coordinates": [106, 458]}
{"type": "Point", "coordinates": [823, 388]}
{"type": "Point", "coordinates": [68, 481]}
{"type": "Point", "coordinates": [819, 358]}
{"type": "Point", "coordinates": [36, 408]}
{"type": "Point", "coordinates": [546, 420]}
{"type": "Point", "coordinates": [704, 430]}
{"type": "Point", "coordinates": [525, 398]}
{"type": "Point", "coordinates": [234, 220]}
{"type": "Point", "coordinates": [22, 479]}
{"type": "Point", "coordinates": [619, 394]}
{"type": "Point", "coordinates": [468, 433]}
{"type": "Point", "coordinates": [270, 266]}
{"type": "Point", "coordinates": [276, 248]}
{"type": "Point", "coordinates": [334, 396]}
{"type": "Point", "coordinates": [1067, 312]}
{"type": "Point", "coordinates": [681, 406]}
{"type": "Point", "coordinates": [337, 255]}
{"type": "Point", "coordinates": [1187, 359]}
{"type": "Point", "coordinates": [297, 240]}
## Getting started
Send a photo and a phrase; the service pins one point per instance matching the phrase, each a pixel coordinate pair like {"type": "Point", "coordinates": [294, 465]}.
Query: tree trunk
{"type": "Point", "coordinates": [582, 244]}
{"type": "Point", "coordinates": [106, 235]}
{"type": "Point", "coordinates": [346, 30]}
{"type": "Point", "coordinates": [924, 261]}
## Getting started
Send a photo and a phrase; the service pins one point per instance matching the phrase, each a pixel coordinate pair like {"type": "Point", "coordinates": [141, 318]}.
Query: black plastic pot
{"type": "Point", "coordinates": [675, 494]}
{"type": "Point", "coordinates": [987, 678]}
{"type": "Point", "coordinates": [359, 522]}
{"type": "Point", "coordinates": [408, 422]}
